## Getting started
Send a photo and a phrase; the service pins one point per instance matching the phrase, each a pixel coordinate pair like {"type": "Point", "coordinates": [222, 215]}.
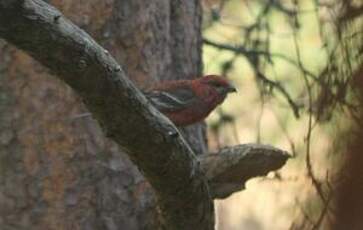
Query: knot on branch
{"type": "Point", "coordinates": [228, 170]}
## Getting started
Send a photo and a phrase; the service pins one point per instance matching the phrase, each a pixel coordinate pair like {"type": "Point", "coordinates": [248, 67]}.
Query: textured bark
{"type": "Point", "coordinates": [228, 170]}
{"type": "Point", "coordinates": [58, 171]}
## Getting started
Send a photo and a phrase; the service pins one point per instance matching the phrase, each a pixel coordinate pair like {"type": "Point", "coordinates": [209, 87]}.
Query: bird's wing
{"type": "Point", "coordinates": [171, 100]}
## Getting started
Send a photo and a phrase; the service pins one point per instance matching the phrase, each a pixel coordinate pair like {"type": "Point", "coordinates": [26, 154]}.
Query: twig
{"type": "Point", "coordinates": [250, 54]}
{"type": "Point", "coordinates": [316, 183]}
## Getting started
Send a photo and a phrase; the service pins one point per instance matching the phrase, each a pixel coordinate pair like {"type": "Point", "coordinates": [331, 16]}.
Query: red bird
{"type": "Point", "coordinates": [186, 102]}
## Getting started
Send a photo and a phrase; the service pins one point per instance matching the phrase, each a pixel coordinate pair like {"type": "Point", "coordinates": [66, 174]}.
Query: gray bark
{"type": "Point", "coordinates": [228, 170]}
{"type": "Point", "coordinates": [59, 171]}
{"type": "Point", "coordinates": [71, 169]}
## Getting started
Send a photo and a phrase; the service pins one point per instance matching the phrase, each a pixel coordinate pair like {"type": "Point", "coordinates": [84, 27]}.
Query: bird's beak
{"type": "Point", "coordinates": [231, 89]}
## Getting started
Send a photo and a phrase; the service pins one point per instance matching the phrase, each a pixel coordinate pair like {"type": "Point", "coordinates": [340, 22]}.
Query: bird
{"type": "Point", "coordinates": [186, 102]}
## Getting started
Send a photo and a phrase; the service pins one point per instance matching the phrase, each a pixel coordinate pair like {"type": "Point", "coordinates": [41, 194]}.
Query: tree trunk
{"type": "Point", "coordinates": [57, 169]}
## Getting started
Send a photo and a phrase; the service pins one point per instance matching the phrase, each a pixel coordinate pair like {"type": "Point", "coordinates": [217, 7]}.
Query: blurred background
{"type": "Point", "coordinates": [292, 62]}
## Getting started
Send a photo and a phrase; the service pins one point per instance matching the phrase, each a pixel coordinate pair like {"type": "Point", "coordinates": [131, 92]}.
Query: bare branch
{"type": "Point", "coordinates": [126, 117]}
{"type": "Point", "coordinates": [228, 170]}
{"type": "Point", "coordinates": [124, 113]}
{"type": "Point", "coordinates": [250, 55]}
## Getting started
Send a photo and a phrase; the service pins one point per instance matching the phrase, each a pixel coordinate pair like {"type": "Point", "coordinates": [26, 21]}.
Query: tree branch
{"type": "Point", "coordinates": [150, 140]}
{"type": "Point", "coordinates": [251, 54]}
{"type": "Point", "coordinates": [228, 170]}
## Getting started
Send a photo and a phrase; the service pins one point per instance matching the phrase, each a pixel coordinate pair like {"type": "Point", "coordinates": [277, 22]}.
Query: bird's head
{"type": "Point", "coordinates": [219, 84]}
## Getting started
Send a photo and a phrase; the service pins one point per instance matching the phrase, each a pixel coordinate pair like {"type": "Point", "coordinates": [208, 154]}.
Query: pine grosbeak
{"type": "Point", "coordinates": [186, 102]}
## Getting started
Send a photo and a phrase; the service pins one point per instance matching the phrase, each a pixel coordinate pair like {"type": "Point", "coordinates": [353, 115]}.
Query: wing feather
{"type": "Point", "coordinates": [176, 99]}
